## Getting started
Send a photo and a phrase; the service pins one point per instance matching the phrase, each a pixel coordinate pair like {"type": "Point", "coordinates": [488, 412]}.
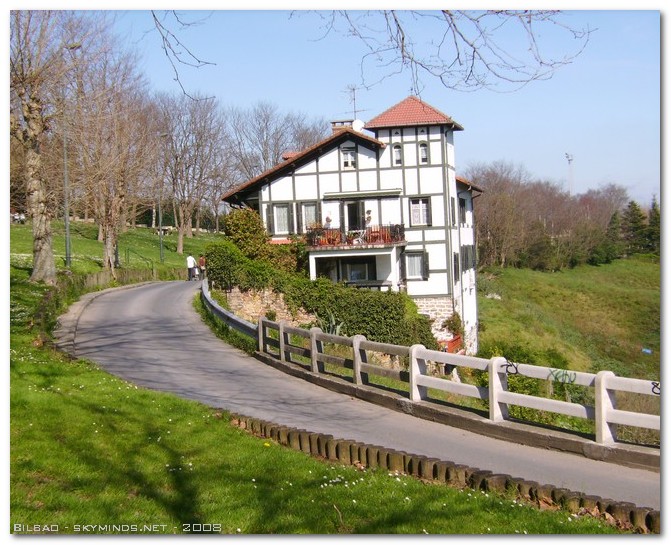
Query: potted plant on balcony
{"type": "Point", "coordinates": [314, 234]}
{"type": "Point", "coordinates": [455, 326]}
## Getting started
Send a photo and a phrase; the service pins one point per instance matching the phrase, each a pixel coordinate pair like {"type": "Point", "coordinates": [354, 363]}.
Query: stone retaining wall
{"type": "Point", "coordinates": [624, 515]}
{"type": "Point", "coordinates": [252, 304]}
{"type": "Point", "coordinates": [438, 309]}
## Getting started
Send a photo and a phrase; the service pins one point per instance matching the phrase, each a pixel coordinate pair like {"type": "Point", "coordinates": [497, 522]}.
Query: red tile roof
{"type": "Point", "coordinates": [411, 112]}
{"type": "Point", "coordinates": [288, 164]}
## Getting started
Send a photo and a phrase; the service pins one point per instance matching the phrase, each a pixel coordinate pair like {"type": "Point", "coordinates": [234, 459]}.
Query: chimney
{"type": "Point", "coordinates": [341, 124]}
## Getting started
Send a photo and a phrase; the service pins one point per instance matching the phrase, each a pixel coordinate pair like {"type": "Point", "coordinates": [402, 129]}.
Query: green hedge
{"type": "Point", "coordinates": [388, 317]}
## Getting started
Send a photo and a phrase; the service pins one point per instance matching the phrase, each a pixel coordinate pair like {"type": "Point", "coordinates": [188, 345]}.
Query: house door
{"type": "Point", "coordinates": [355, 215]}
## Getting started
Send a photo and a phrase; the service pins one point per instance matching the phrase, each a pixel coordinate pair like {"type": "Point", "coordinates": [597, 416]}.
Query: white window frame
{"type": "Point", "coordinates": [422, 207]}
{"type": "Point", "coordinates": [308, 223]}
{"type": "Point", "coordinates": [276, 223]}
{"type": "Point", "coordinates": [348, 157]}
{"type": "Point", "coordinates": [419, 270]}
{"type": "Point", "coordinates": [423, 153]}
{"type": "Point", "coordinates": [397, 154]}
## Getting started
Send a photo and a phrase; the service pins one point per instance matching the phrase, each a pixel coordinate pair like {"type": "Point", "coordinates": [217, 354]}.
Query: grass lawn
{"type": "Point", "coordinates": [89, 449]}
{"type": "Point", "coordinates": [595, 317]}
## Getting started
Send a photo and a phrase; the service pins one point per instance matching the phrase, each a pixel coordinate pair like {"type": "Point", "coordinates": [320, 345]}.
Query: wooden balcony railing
{"type": "Point", "coordinates": [371, 235]}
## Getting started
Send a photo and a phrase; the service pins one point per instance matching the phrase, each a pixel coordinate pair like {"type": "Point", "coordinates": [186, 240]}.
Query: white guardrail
{"type": "Point", "coordinates": [310, 343]}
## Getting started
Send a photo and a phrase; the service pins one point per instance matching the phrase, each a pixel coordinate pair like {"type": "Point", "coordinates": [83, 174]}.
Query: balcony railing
{"type": "Point", "coordinates": [371, 235]}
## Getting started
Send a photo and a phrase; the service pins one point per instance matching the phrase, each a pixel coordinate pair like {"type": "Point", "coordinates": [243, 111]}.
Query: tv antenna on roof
{"type": "Point", "coordinates": [352, 89]}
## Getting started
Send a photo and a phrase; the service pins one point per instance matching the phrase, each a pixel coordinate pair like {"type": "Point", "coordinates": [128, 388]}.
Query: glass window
{"type": "Point", "coordinates": [357, 271]}
{"type": "Point", "coordinates": [462, 211]}
{"type": "Point", "coordinates": [281, 218]}
{"type": "Point", "coordinates": [398, 158]}
{"type": "Point", "coordinates": [416, 265]}
{"type": "Point", "coordinates": [420, 212]}
{"type": "Point", "coordinates": [348, 158]}
{"type": "Point", "coordinates": [423, 153]}
{"type": "Point", "coordinates": [309, 215]}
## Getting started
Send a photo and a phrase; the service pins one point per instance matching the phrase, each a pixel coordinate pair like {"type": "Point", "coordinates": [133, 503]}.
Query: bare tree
{"type": "Point", "coordinates": [500, 211]}
{"type": "Point", "coordinates": [114, 135]}
{"type": "Point", "coordinates": [464, 50]}
{"type": "Point", "coordinates": [192, 156]}
{"type": "Point", "coordinates": [39, 46]}
{"type": "Point", "coordinates": [260, 135]}
{"type": "Point", "coordinates": [536, 223]}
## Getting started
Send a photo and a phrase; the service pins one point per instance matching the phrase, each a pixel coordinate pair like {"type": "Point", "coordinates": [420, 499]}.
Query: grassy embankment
{"type": "Point", "coordinates": [594, 317]}
{"type": "Point", "coordinates": [89, 448]}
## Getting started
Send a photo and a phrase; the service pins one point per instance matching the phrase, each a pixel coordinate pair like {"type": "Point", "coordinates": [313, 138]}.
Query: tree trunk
{"type": "Point", "coordinates": [44, 267]}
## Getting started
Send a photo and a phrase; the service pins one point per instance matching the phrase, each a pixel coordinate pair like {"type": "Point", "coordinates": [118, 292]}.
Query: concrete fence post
{"type": "Point", "coordinates": [359, 357]}
{"type": "Point", "coordinates": [283, 342]}
{"type": "Point", "coordinates": [261, 333]}
{"type": "Point", "coordinates": [316, 347]}
{"type": "Point", "coordinates": [417, 367]}
{"type": "Point", "coordinates": [498, 383]}
{"type": "Point", "coordinates": [604, 402]}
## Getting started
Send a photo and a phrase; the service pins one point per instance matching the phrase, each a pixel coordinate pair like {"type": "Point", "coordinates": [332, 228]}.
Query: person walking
{"type": "Point", "coordinates": [190, 267]}
{"type": "Point", "coordinates": [201, 265]}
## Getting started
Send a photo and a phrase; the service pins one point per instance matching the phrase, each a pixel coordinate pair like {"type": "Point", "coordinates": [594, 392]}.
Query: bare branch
{"type": "Point", "coordinates": [175, 49]}
{"type": "Point", "coordinates": [465, 50]}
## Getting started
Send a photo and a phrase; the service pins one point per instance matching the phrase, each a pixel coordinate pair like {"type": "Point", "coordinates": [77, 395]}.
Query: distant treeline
{"type": "Point", "coordinates": [521, 222]}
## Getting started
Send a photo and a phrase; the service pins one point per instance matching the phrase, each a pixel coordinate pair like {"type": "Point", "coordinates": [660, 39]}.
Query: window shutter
{"type": "Point", "coordinates": [269, 219]}
{"type": "Point", "coordinates": [290, 218]}
{"type": "Point", "coordinates": [425, 266]}
{"type": "Point", "coordinates": [362, 214]}
{"type": "Point", "coordinates": [299, 218]}
{"type": "Point", "coordinates": [404, 274]}
{"type": "Point", "coordinates": [428, 212]}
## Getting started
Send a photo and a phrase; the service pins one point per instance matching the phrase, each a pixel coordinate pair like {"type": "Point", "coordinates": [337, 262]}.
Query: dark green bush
{"type": "Point", "coordinates": [244, 227]}
{"type": "Point", "coordinates": [388, 317]}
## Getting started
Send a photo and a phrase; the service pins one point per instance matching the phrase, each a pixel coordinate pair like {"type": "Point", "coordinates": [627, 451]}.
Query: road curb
{"type": "Point", "coordinates": [624, 515]}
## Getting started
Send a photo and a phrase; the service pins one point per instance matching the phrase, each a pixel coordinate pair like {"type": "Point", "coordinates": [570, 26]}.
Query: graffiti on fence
{"type": "Point", "coordinates": [510, 368]}
{"type": "Point", "coordinates": [562, 375]}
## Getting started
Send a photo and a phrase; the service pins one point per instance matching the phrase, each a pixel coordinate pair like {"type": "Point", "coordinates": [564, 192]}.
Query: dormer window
{"type": "Point", "coordinates": [423, 153]}
{"type": "Point", "coordinates": [348, 157]}
{"type": "Point", "coordinates": [398, 156]}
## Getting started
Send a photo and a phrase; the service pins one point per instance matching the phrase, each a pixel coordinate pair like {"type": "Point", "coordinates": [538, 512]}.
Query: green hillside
{"type": "Point", "coordinates": [605, 317]}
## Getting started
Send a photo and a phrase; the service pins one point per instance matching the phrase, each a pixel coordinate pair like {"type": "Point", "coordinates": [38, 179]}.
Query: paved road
{"type": "Point", "coordinates": [152, 336]}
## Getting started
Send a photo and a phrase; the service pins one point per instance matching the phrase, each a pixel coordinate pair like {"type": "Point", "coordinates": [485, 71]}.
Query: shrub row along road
{"type": "Point", "coordinates": [152, 336]}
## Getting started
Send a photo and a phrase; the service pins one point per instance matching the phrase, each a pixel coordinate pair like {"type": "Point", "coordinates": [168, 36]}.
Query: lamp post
{"type": "Point", "coordinates": [160, 214]}
{"type": "Point", "coordinates": [160, 221]}
{"type": "Point", "coordinates": [66, 184]}
{"type": "Point", "coordinates": [66, 201]}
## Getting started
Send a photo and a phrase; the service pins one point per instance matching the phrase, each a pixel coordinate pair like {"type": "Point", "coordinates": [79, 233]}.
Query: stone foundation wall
{"type": "Point", "coordinates": [251, 305]}
{"type": "Point", "coordinates": [438, 309]}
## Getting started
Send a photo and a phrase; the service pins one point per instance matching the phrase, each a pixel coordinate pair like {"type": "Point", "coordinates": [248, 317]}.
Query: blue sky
{"type": "Point", "coordinates": [603, 109]}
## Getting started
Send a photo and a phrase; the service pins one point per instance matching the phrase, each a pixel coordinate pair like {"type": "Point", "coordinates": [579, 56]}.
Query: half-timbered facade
{"type": "Point", "coordinates": [381, 207]}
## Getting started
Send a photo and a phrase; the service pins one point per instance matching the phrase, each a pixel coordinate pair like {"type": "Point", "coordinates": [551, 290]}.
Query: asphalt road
{"type": "Point", "coordinates": [152, 336]}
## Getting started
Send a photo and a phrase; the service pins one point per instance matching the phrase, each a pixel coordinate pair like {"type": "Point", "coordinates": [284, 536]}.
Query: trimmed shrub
{"type": "Point", "coordinates": [388, 317]}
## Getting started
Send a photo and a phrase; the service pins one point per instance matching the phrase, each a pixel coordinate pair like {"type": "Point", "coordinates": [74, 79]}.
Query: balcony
{"type": "Point", "coordinates": [373, 235]}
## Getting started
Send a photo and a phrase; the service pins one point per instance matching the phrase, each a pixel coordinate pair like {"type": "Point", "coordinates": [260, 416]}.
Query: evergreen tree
{"type": "Point", "coordinates": [614, 238]}
{"type": "Point", "coordinates": [634, 229]}
{"type": "Point", "coordinates": [654, 228]}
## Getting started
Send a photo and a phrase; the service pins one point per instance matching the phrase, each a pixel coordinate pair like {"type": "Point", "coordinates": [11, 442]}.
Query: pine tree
{"type": "Point", "coordinates": [634, 229]}
{"type": "Point", "coordinates": [653, 232]}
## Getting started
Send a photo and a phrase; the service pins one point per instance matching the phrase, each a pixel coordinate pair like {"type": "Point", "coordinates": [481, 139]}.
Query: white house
{"type": "Point", "coordinates": [381, 207]}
